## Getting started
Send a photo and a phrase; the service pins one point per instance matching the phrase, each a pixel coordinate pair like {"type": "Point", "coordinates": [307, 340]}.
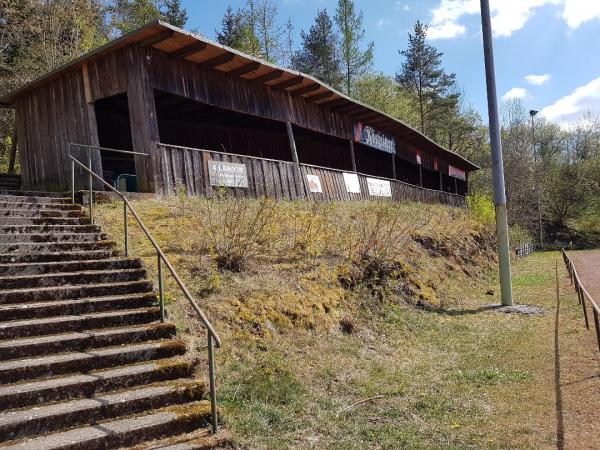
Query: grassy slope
{"type": "Point", "coordinates": [460, 376]}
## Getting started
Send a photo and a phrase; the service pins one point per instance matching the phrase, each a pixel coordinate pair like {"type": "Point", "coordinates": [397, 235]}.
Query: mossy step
{"type": "Point", "coordinates": [79, 341]}
{"type": "Point", "coordinates": [51, 247]}
{"type": "Point", "coordinates": [44, 419]}
{"type": "Point", "coordinates": [38, 268]}
{"type": "Point", "coordinates": [124, 432]}
{"type": "Point", "coordinates": [70, 278]}
{"type": "Point", "coordinates": [32, 196]}
{"type": "Point", "coordinates": [44, 206]}
{"type": "Point", "coordinates": [63, 324]}
{"type": "Point", "coordinates": [62, 388]}
{"type": "Point", "coordinates": [6, 238]}
{"type": "Point", "coordinates": [73, 255]}
{"type": "Point", "coordinates": [24, 311]}
{"type": "Point", "coordinates": [13, 229]}
{"type": "Point", "coordinates": [41, 294]}
{"type": "Point", "coordinates": [40, 213]}
{"type": "Point", "coordinates": [44, 220]}
{"type": "Point", "coordinates": [30, 368]}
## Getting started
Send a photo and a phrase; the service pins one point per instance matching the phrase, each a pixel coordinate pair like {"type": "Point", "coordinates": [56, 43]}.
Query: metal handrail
{"type": "Point", "coordinates": [583, 295]}
{"type": "Point", "coordinates": [161, 258]}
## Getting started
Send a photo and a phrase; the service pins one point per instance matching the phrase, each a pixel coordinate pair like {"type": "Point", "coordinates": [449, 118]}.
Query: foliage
{"type": "Point", "coordinates": [237, 32]}
{"type": "Point", "coordinates": [318, 55]}
{"type": "Point", "coordinates": [355, 61]}
{"type": "Point", "coordinates": [482, 207]}
{"type": "Point", "coordinates": [127, 15]}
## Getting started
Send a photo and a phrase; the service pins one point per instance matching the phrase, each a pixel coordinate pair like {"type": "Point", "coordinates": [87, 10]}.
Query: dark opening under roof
{"type": "Point", "coordinates": [179, 43]}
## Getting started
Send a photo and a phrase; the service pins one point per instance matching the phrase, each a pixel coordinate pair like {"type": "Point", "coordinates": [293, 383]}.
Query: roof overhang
{"type": "Point", "coordinates": [180, 44]}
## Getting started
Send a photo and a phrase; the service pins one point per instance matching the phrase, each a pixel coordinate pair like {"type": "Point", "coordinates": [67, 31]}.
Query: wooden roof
{"type": "Point", "coordinates": [179, 43]}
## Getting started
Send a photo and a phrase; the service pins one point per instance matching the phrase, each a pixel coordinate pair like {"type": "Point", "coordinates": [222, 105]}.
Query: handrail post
{"type": "Point", "coordinates": [91, 189]}
{"type": "Point", "coordinates": [72, 181]}
{"type": "Point", "coordinates": [161, 296]}
{"type": "Point", "coordinates": [212, 383]}
{"type": "Point", "coordinates": [125, 229]}
{"type": "Point", "coordinates": [597, 324]}
{"type": "Point", "coordinates": [585, 314]}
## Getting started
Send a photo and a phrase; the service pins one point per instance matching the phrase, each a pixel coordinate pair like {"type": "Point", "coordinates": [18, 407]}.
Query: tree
{"type": "Point", "coordinates": [288, 50]}
{"type": "Point", "coordinates": [174, 13]}
{"type": "Point", "coordinates": [237, 32]}
{"type": "Point", "coordinates": [128, 15]}
{"type": "Point", "coordinates": [355, 61]}
{"type": "Point", "coordinates": [263, 19]}
{"type": "Point", "coordinates": [423, 77]}
{"type": "Point", "coordinates": [318, 56]}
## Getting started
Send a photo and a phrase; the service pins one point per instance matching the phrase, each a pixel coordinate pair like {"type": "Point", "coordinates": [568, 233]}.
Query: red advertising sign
{"type": "Point", "coordinates": [436, 164]}
{"type": "Point", "coordinates": [418, 153]}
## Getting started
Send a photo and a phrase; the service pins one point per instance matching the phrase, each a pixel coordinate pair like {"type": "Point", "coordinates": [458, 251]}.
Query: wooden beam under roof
{"type": "Point", "coordinates": [365, 115]}
{"type": "Point", "coordinates": [217, 61]}
{"type": "Point", "coordinates": [188, 50]}
{"type": "Point", "coordinates": [305, 89]}
{"type": "Point", "coordinates": [346, 107]}
{"type": "Point", "coordinates": [321, 96]}
{"type": "Point", "coordinates": [156, 38]}
{"type": "Point", "coordinates": [335, 102]}
{"type": "Point", "coordinates": [269, 76]}
{"type": "Point", "coordinates": [288, 83]}
{"type": "Point", "coordinates": [247, 68]}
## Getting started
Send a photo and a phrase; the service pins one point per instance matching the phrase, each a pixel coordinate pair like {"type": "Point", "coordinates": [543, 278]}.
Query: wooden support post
{"type": "Point", "coordinates": [290, 133]}
{"type": "Point", "coordinates": [455, 186]}
{"type": "Point", "coordinates": [420, 175]}
{"type": "Point", "coordinates": [13, 150]}
{"type": "Point", "coordinates": [352, 156]}
{"type": "Point", "coordinates": [144, 123]}
{"type": "Point", "coordinates": [441, 181]}
{"type": "Point", "coordinates": [393, 166]}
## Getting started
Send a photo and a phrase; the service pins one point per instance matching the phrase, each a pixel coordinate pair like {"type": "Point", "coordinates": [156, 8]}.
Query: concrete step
{"type": "Point", "coordinates": [37, 206]}
{"type": "Point", "coordinates": [62, 388]}
{"type": "Point", "coordinates": [62, 279]}
{"type": "Point", "coordinates": [79, 341]}
{"type": "Point", "coordinates": [125, 431]}
{"type": "Point", "coordinates": [25, 229]}
{"type": "Point", "coordinates": [39, 268]}
{"type": "Point", "coordinates": [37, 327]}
{"type": "Point", "coordinates": [17, 220]}
{"type": "Point", "coordinates": [74, 255]}
{"type": "Point", "coordinates": [12, 238]}
{"type": "Point", "coordinates": [26, 369]}
{"type": "Point", "coordinates": [21, 423]}
{"type": "Point", "coordinates": [52, 247]}
{"type": "Point", "coordinates": [12, 196]}
{"type": "Point", "coordinates": [74, 291]}
{"type": "Point", "coordinates": [40, 213]}
{"type": "Point", "coordinates": [24, 311]}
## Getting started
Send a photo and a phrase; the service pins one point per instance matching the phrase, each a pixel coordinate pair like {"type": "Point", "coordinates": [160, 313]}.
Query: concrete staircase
{"type": "Point", "coordinates": [85, 362]}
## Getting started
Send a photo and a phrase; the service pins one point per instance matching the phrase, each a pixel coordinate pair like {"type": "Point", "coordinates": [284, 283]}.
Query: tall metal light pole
{"type": "Point", "coordinates": [497, 161]}
{"type": "Point", "coordinates": [538, 193]}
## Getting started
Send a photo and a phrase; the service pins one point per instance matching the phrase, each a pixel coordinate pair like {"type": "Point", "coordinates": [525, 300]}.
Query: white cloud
{"type": "Point", "coordinates": [446, 30]}
{"type": "Point", "coordinates": [578, 12]}
{"type": "Point", "coordinates": [538, 80]}
{"type": "Point", "coordinates": [572, 107]}
{"type": "Point", "coordinates": [401, 6]}
{"type": "Point", "coordinates": [381, 23]}
{"type": "Point", "coordinates": [508, 16]}
{"type": "Point", "coordinates": [515, 93]}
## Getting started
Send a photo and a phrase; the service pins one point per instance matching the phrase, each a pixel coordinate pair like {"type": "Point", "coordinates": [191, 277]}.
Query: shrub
{"type": "Point", "coordinates": [482, 207]}
{"type": "Point", "coordinates": [237, 229]}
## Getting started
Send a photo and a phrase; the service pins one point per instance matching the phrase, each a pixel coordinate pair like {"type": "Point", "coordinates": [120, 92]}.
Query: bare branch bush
{"type": "Point", "coordinates": [237, 230]}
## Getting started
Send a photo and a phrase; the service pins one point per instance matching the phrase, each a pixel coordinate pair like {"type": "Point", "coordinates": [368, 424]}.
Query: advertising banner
{"type": "Point", "coordinates": [379, 188]}
{"type": "Point", "coordinates": [457, 173]}
{"type": "Point", "coordinates": [314, 184]}
{"type": "Point", "coordinates": [369, 136]}
{"type": "Point", "coordinates": [352, 183]}
{"type": "Point", "coordinates": [227, 174]}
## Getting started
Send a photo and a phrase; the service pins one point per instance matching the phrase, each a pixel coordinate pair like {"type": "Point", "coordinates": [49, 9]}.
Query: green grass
{"type": "Point", "coordinates": [459, 377]}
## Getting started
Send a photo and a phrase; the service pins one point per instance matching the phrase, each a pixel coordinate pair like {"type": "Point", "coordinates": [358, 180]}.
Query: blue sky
{"type": "Point", "coordinates": [546, 50]}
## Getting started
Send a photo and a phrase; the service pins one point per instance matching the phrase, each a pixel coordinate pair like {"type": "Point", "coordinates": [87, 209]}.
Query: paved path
{"type": "Point", "coordinates": [587, 263]}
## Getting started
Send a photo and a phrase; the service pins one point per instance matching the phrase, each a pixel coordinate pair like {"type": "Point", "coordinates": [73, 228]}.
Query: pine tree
{"type": "Point", "coordinates": [318, 56]}
{"type": "Point", "coordinates": [355, 62]}
{"type": "Point", "coordinates": [128, 15]}
{"type": "Point", "coordinates": [263, 19]}
{"type": "Point", "coordinates": [174, 13]}
{"type": "Point", "coordinates": [237, 32]}
{"type": "Point", "coordinates": [423, 77]}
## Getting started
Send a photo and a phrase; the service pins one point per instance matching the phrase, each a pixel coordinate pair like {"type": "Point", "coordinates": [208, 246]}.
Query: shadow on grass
{"type": "Point", "coordinates": [464, 312]}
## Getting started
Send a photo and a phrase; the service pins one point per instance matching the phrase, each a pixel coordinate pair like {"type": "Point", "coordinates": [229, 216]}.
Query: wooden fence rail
{"type": "Point", "coordinates": [283, 180]}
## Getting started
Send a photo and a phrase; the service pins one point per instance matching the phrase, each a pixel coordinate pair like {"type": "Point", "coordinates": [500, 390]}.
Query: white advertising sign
{"type": "Point", "coordinates": [379, 188]}
{"type": "Point", "coordinates": [352, 183]}
{"type": "Point", "coordinates": [227, 174]}
{"type": "Point", "coordinates": [314, 184]}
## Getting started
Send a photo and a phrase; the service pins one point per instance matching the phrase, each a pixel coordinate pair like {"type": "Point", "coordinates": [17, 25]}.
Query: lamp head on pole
{"type": "Point", "coordinates": [533, 113]}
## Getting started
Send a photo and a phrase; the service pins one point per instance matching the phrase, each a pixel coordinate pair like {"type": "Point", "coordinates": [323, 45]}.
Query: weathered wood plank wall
{"type": "Point", "coordinates": [187, 168]}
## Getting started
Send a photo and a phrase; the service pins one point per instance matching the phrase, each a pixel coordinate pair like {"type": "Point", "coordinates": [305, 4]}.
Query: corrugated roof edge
{"type": "Point", "coordinates": [7, 99]}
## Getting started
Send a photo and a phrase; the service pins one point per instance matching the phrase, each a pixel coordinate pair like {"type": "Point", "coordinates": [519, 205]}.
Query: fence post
{"type": "Point", "coordinates": [597, 324]}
